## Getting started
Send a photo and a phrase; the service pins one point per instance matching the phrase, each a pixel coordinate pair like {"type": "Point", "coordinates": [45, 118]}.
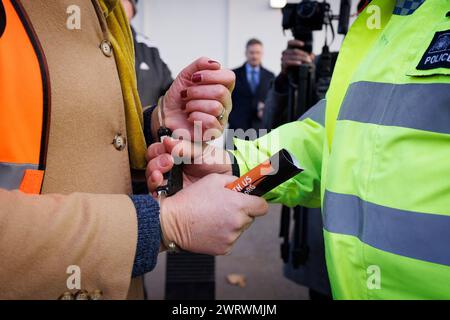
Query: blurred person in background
{"type": "Point", "coordinates": [153, 75]}
{"type": "Point", "coordinates": [276, 110]}
{"type": "Point", "coordinates": [252, 84]}
{"type": "Point", "coordinates": [313, 272]}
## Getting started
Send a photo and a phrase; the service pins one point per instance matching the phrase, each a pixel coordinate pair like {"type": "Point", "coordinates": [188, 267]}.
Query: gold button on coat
{"type": "Point", "coordinates": [106, 48]}
{"type": "Point", "coordinates": [119, 142]}
{"type": "Point", "coordinates": [66, 296]}
{"type": "Point", "coordinates": [82, 295]}
{"type": "Point", "coordinates": [96, 295]}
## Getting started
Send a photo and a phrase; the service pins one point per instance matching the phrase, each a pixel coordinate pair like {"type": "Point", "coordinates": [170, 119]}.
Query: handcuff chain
{"type": "Point", "coordinates": [171, 246]}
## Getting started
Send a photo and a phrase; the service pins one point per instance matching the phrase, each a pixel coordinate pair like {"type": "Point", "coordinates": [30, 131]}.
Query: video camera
{"type": "Point", "coordinates": [307, 16]}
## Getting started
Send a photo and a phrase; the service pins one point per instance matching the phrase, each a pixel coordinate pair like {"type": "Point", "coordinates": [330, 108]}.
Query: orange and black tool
{"type": "Point", "coordinates": [173, 180]}
{"type": "Point", "coordinates": [266, 176]}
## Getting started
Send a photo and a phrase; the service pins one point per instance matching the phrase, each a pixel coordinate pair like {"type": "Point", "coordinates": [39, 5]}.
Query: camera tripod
{"type": "Point", "coordinates": [300, 99]}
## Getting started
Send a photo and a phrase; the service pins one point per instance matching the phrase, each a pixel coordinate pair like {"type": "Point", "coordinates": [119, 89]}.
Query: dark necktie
{"type": "Point", "coordinates": [253, 80]}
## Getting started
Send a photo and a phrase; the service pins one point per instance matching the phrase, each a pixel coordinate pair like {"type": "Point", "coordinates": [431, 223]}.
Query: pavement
{"type": "Point", "coordinates": [257, 256]}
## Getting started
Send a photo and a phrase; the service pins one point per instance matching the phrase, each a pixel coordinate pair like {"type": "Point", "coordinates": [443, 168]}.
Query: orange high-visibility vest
{"type": "Point", "coordinates": [24, 102]}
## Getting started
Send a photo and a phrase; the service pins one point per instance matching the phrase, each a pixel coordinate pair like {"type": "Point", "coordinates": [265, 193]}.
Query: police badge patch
{"type": "Point", "coordinates": [438, 53]}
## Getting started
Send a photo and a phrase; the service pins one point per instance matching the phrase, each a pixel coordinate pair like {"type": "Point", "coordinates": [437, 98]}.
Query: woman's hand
{"type": "Point", "coordinates": [201, 93]}
{"type": "Point", "coordinates": [199, 160]}
{"type": "Point", "coordinates": [208, 218]}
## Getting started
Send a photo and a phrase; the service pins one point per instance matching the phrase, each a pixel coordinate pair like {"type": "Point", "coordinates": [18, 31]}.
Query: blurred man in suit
{"type": "Point", "coordinates": [252, 84]}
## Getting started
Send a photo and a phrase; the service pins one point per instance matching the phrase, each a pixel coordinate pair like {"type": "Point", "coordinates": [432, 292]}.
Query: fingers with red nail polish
{"type": "Point", "coordinates": [202, 88]}
{"type": "Point", "coordinates": [196, 78]}
{"type": "Point", "coordinates": [223, 77]}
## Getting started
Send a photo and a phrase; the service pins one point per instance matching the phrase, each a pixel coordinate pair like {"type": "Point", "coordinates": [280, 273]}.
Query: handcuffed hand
{"type": "Point", "coordinates": [199, 160]}
{"type": "Point", "coordinates": [208, 218]}
{"type": "Point", "coordinates": [201, 92]}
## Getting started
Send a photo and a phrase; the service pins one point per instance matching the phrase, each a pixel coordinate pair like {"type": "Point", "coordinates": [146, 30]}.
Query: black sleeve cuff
{"type": "Point", "coordinates": [148, 125]}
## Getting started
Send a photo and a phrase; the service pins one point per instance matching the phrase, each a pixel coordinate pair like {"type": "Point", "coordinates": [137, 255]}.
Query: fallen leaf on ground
{"type": "Point", "coordinates": [237, 280]}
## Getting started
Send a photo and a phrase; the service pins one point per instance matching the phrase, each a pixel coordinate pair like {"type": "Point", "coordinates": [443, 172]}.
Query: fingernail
{"type": "Point", "coordinates": [183, 94]}
{"type": "Point", "coordinates": [196, 78]}
{"type": "Point", "coordinates": [163, 162]}
{"type": "Point", "coordinates": [212, 61]}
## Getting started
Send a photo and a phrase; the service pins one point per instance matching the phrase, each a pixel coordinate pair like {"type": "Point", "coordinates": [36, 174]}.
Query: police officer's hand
{"type": "Point", "coordinates": [198, 159]}
{"type": "Point", "coordinates": [294, 56]}
{"type": "Point", "coordinates": [201, 93]}
{"type": "Point", "coordinates": [208, 218]}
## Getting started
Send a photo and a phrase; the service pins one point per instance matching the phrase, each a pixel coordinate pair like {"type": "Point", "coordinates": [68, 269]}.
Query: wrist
{"type": "Point", "coordinates": [168, 225]}
{"type": "Point", "coordinates": [159, 117]}
{"type": "Point", "coordinates": [155, 124]}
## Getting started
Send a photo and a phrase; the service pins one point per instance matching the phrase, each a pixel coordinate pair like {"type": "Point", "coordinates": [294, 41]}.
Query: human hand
{"type": "Point", "coordinates": [294, 56]}
{"type": "Point", "coordinates": [208, 218]}
{"type": "Point", "coordinates": [201, 92]}
{"type": "Point", "coordinates": [199, 160]}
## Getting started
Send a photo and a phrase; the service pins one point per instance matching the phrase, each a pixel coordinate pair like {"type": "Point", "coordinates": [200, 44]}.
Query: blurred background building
{"type": "Point", "coordinates": [185, 29]}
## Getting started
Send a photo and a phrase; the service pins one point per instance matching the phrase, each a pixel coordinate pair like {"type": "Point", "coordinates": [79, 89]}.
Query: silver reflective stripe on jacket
{"type": "Point", "coordinates": [316, 113]}
{"type": "Point", "coordinates": [415, 106]}
{"type": "Point", "coordinates": [422, 236]}
{"type": "Point", "coordinates": [11, 174]}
